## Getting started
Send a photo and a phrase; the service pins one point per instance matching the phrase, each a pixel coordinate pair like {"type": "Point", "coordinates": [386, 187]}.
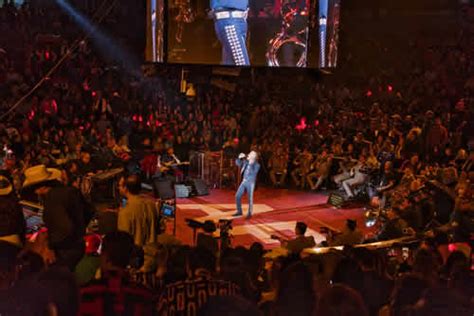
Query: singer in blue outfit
{"type": "Point", "coordinates": [249, 170]}
{"type": "Point", "coordinates": [230, 23]}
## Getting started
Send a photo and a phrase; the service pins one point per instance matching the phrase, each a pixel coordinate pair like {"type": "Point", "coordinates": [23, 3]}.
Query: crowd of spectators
{"type": "Point", "coordinates": [391, 135]}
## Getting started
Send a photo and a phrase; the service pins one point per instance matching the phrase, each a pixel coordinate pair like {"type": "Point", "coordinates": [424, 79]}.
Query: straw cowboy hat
{"type": "Point", "coordinates": [5, 186]}
{"type": "Point", "coordinates": [39, 174]}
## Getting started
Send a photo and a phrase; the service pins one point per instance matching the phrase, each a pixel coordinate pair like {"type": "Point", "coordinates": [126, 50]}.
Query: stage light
{"type": "Point", "coordinates": [369, 93]}
{"type": "Point", "coordinates": [190, 92]}
{"type": "Point", "coordinates": [105, 44]}
{"type": "Point", "coordinates": [302, 125]}
{"type": "Point", "coordinates": [31, 115]}
{"type": "Point", "coordinates": [389, 88]}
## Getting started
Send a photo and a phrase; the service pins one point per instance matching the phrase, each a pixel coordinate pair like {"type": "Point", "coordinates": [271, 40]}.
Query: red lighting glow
{"type": "Point", "coordinates": [369, 93]}
{"type": "Point", "coordinates": [389, 88]}
{"type": "Point", "coordinates": [302, 125]}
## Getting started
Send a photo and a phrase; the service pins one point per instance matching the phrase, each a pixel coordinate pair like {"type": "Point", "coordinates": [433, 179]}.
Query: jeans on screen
{"type": "Point", "coordinates": [232, 33]}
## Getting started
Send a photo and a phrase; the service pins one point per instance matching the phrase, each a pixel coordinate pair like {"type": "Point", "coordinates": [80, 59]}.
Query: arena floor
{"type": "Point", "coordinates": [275, 212]}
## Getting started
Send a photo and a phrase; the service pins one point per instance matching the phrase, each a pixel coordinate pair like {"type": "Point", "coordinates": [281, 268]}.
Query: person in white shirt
{"type": "Point", "coordinates": [359, 175]}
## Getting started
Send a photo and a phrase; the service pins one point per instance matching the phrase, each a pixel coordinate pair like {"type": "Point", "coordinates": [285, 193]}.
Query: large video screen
{"type": "Point", "coordinates": [155, 26]}
{"type": "Point", "coordinates": [275, 33]}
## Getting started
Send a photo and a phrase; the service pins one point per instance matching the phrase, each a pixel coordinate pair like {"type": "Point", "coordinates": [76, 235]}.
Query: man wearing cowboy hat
{"type": "Point", "coordinates": [63, 213]}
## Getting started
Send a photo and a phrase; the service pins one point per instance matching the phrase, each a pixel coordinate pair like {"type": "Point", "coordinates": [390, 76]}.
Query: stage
{"type": "Point", "coordinates": [276, 212]}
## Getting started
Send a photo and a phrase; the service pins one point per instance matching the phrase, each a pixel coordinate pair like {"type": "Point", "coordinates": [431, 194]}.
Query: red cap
{"type": "Point", "coordinates": [93, 242]}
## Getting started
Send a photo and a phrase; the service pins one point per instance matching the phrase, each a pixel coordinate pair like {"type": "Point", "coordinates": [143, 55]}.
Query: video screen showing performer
{"type": "Point", "coordinates": [155, 31]}
{"type": "Point", "coordinates": [328, 32]}
{"type": "Point", "coordinates": [238, 32]}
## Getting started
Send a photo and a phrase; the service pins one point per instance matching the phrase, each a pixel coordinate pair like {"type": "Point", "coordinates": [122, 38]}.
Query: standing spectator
{"type": "Point", "coordinates": [138, 217]}
{"type": "Point", "coordinates": [63, 216]}
{"type": "Point", "coordinates": [12, 221]}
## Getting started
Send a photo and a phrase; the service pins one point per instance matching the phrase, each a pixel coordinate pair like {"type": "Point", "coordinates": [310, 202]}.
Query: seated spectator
{"type": "Point", "coordinates": [278, 165]}
{"type": "Point", "coordinates": [407, 292]}
{"type": "Point", "coordinates": [229, 306]}
{"type": "Point", "coordinates": [358, 176]}
{"type": "Point", "coordinates": [233, 268]}
{"type": "Point", "coordinates": [295, 293]}
{"type": "Point", "coordinates": [440, 301]}
{"type": "Point", "coordinates": [395, 227]}
{"type": "Point", "coordinates": [301, 241]}
{"type": "Point", "coordinates": [321, 168]}
{"type": "Point", "coordinates": [114, 293]}
{"type": "Point", "coordinates": [349, 236]}
{"type": "Point", "coordinates": [340, 300]}
{"type": "Point", "coordinates": [190, 295]}
{"type": "Point", "coordinates": [206, 239]}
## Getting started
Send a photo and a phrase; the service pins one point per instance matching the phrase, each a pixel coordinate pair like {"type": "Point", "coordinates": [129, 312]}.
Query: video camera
{"type": "Point", "coordinates": [225, 226]}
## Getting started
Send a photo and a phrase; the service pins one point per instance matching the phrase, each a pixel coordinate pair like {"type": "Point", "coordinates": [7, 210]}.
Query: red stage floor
{"type": "Point", "coordinates": [276, 211]}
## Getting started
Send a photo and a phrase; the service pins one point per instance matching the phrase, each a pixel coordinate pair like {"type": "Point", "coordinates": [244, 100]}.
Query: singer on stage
{"type": "Point", "coordinates": [248, 169]}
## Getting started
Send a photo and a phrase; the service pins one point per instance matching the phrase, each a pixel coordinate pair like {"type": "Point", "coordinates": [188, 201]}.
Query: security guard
{"type": "Point", "coordinates": [230, 22]}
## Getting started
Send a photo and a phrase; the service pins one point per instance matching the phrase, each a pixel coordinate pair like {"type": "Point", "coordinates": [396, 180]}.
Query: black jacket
{"type": "Point", "coordinates": [64, 210]}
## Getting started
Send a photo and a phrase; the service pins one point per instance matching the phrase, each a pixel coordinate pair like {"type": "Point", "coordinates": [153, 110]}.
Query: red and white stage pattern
{"type": "Point", "coordinates": [276, 212]}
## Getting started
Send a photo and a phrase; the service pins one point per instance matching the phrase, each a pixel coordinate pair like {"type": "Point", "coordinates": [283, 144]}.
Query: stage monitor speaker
{"type": "Point", "coordinates": [163, 189]}
{"type": "Point", "coordinates": [336, 199]}
{"type": "Point", "coordinates": [182, 191]}
{"type": "Point", "coordinates": [200, 187]}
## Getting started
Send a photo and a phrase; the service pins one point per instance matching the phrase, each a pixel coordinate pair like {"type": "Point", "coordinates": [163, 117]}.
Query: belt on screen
{"type": "Point", "coordinates": [230, 14]}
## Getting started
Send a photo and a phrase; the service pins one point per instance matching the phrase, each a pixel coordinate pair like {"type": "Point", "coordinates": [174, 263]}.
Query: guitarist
{"type": "Point", "coordinates": [171, 164]}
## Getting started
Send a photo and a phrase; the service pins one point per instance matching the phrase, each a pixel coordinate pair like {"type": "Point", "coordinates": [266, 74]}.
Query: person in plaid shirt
{"type": "Point", "coordinates": [114, 293]}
